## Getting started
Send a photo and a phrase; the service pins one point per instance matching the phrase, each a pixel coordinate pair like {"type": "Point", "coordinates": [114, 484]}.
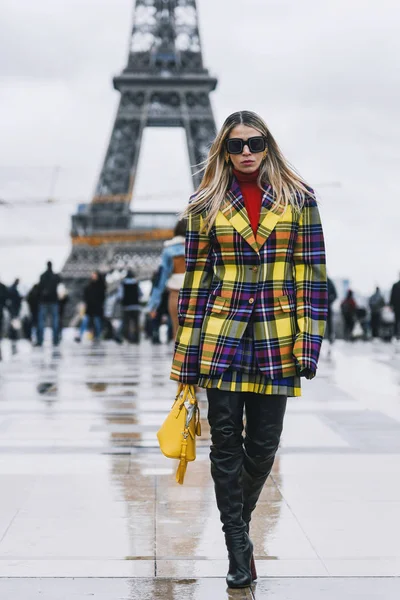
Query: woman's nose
{"type": "Point", "coordinates": [246, 149]}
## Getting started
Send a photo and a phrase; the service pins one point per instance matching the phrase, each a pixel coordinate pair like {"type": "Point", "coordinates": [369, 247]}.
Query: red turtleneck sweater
{"type": "Point", "coordinates": [252, 196]}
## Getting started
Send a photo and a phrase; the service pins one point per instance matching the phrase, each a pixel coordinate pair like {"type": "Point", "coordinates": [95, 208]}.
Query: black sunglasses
{"type": "Point", "coordinates": [255, 144]}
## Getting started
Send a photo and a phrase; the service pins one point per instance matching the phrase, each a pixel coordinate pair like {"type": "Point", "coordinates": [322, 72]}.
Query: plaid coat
{"type": "Point", "coordinates": [276, 279]}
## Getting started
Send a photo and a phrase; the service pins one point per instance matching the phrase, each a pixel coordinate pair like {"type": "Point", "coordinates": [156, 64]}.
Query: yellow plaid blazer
{"type": "Point", "coordinates": [276, 279]}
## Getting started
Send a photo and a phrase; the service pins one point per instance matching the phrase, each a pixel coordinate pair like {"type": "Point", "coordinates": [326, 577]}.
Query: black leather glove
{"type": "Point", "coordinates": [307, 373]}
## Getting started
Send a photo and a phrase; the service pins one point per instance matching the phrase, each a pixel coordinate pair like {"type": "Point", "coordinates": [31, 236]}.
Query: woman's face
{"type": "Point", "coordinates": [247, 162]}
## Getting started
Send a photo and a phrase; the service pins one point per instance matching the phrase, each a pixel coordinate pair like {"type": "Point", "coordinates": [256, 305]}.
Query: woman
{"type": "Point", "coordinates": [171, 275]}
{"type": "Point", "coordinates": [252, 313]}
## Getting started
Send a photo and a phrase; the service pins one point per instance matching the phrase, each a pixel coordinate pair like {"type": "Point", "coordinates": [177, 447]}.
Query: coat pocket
{"type": "Point", "coordinates": [281, 324]}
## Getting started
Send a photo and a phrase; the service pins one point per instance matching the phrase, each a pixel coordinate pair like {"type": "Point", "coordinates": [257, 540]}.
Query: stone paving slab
{"type": "Point", "coordinates": [85, 491]}
{"type": "Point", "coordinates": [201, 589]}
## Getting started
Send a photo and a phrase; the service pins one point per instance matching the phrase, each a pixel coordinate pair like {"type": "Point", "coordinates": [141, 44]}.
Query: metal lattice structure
{"type": "Point", "coordinates": [164, 84]}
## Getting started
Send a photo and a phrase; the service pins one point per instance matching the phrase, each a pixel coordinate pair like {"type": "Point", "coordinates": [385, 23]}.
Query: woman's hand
{"type": "Point", "coordinates": [307, 373]}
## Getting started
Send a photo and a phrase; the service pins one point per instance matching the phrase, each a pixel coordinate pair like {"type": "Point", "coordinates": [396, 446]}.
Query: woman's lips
{"type": "Point", "coordinates": [247, 162]}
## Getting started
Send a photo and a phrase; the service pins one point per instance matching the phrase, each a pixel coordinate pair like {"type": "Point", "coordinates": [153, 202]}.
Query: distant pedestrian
{"type": "Point", "coordinates": [94, 297]}
{"type": "Point", "coordinates": [376, 303]}
{"type": "Point", "coordinates": [63, 297]}
{"type": "Point", "coordinates": [155, 318]}
{"type": "Point", "coordinates": [171, 276]}
{"type": "Point", "coordinates": [33, 302]}
{"type": "Point", "coordinates": [349, 313]}
{"type": "Point", "coordinates": [14, 302]}
{"type": "Point", "coordinates": [395, 304]}
{"type": "Point", "coordinates": [110, 303]}
{"type": "Point", "coordinates": [129, 294]}
{"type": "Point", "coordinates": [48, 304]}
{"type": "Point", "coordinates": [332, 295]}
{"type": "Point", "coordinates": [3, 302]}
{"type": "Point", "coordinates": [102, 287]}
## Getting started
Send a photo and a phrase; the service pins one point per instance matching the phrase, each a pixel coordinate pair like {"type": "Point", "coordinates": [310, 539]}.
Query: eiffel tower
{"type": "Point", "coordinates": [164, 84]}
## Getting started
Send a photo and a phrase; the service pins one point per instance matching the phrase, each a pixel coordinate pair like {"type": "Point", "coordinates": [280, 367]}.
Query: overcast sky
{"type": "Point", "coordinates": [324, 74]}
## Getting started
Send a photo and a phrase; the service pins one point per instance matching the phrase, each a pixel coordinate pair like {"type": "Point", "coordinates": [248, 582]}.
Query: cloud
{"type": "Point", "coordinates": [62, 39]}
{"type": "Point", "coordinates": [323, 74]}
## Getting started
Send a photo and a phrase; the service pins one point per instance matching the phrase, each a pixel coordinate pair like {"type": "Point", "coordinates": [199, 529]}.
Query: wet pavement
{"type": "Point", "coordinates": [90, 508]}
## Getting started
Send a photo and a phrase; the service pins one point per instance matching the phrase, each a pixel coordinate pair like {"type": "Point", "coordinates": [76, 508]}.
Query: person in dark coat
{"type": "Point", "coordinates": [129, 293]}
{"type": "Point", "coordinates": [48, 304]}
{"type": "Point", "coordinates": [395, 304]}
{"type": "Point", "coordinates": [3, 302]}
{"type": "Point", "coordinates": [33, 303]}
{"type": "Point", "coordinates": [94, 296]}
{"type": "Point", "coordinates": [14, 302]}
{"type": "Point", "coordinates": [102, 287]}
{"type": "Point", "coordinates": [376, 303]}
{"type": "Point", "coordinates": [349, 313]}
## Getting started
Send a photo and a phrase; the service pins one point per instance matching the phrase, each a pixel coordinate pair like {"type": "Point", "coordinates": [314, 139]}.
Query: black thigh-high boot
{"type": "Point", "coordinates": [264, 423]}
{"type": "Point", "coordinates": [225, 415]}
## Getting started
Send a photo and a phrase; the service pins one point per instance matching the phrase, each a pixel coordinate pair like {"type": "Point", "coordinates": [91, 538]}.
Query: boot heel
{"type": "Point", "coordinates": [253, 568]}
{"type": "Point", "coordinates": [240, 552]}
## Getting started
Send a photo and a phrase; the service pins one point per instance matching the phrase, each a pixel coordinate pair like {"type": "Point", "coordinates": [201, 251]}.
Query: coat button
{"type": "Point", "coordinates": [251, 300]}
{"type": "Point", "coordinates": [255, 269]}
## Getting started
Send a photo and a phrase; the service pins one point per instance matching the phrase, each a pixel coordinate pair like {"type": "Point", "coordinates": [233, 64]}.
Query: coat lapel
{"type": "Point", "coordinates": [234, 210]}
{"type": "Point", "coordinates": [269, 217]}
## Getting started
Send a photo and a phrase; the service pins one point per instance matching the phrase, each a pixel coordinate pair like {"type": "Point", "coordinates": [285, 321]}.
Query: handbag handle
{"type": "Point", "coordinates": [187, 392]}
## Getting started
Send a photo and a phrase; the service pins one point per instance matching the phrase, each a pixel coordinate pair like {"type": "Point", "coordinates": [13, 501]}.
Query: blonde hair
{"type": "Point", "coordinates": [287, 186]}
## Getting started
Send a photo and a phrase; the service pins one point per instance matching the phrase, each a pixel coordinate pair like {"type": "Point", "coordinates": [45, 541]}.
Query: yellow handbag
{"type": "Point", "coordinates": [177, 435]}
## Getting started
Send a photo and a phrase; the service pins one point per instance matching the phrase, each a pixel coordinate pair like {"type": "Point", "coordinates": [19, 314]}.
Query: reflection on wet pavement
{"type": "Point", "coordinates": [86, 493]}
{"type": "Point", "coordinates": [199, 589]}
